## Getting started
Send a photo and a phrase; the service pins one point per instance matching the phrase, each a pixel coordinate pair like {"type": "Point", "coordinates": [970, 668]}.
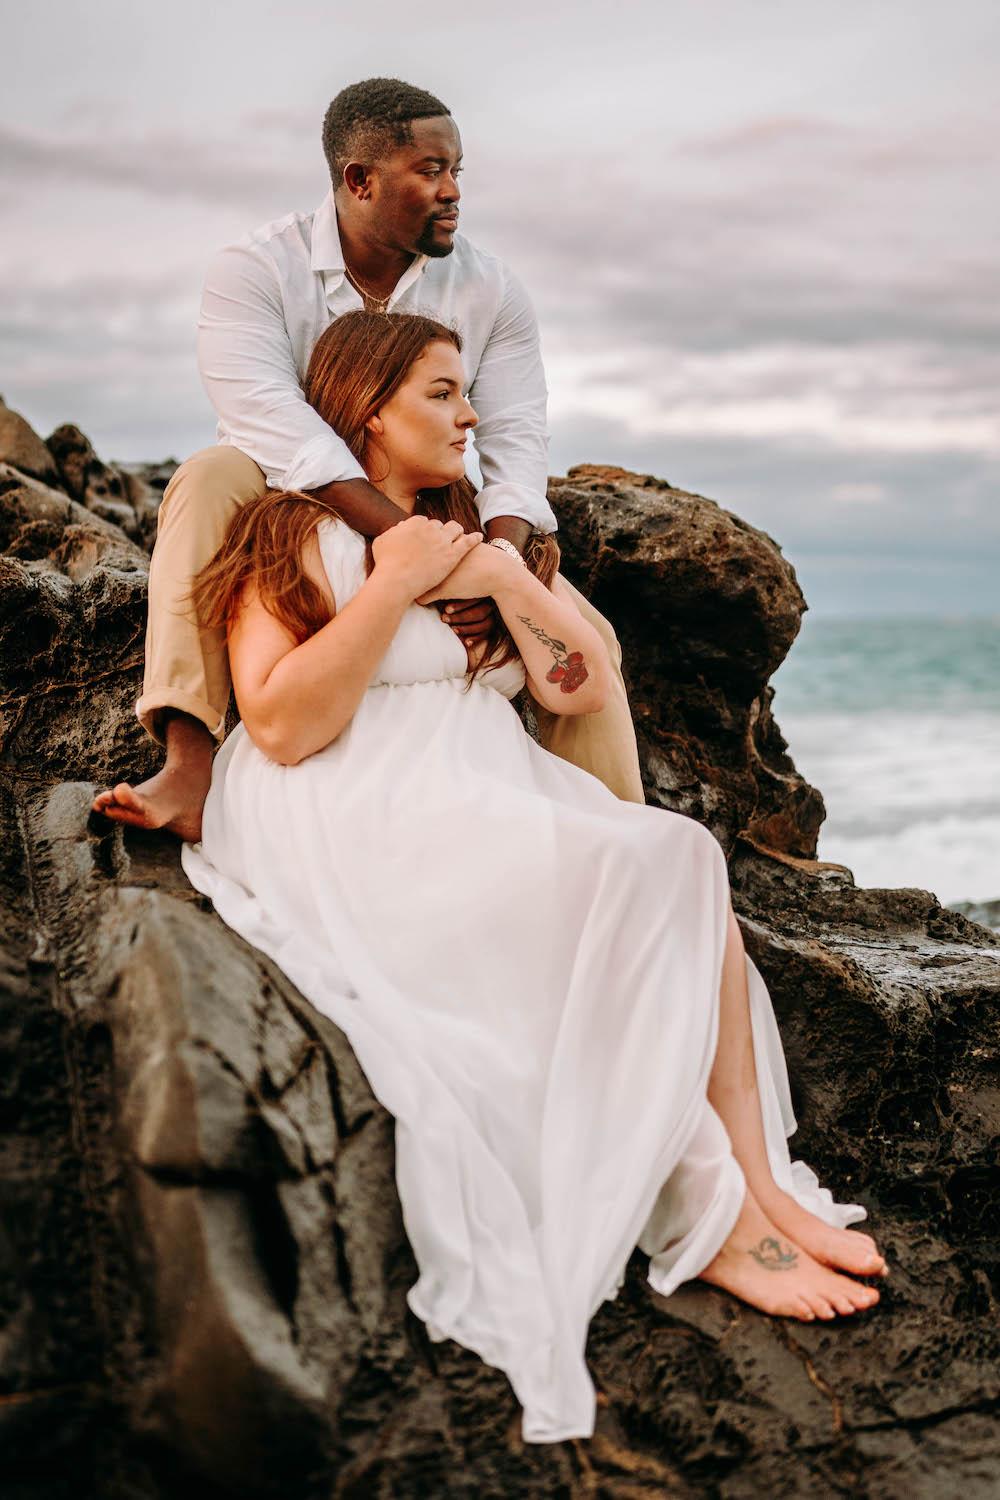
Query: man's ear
{"type": "Point", "coordinates": [358, 180]}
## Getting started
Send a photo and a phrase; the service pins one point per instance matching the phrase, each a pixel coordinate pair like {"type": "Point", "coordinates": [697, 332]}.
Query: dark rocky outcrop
{"type": "Point", "coordinates": [21, 446]}
{"type": "Point", "coordinates": [706, 609]}
{"type": "Point", "coordinates": [113, 492]}
{"type": "Point", "coordinates": [202, 1261]}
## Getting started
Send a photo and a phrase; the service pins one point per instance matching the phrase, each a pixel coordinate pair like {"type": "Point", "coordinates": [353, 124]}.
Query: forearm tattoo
{"type": "Point", "coordinates": [568, 668]}
{"type": "Point", "coordinates": [770, 1255]}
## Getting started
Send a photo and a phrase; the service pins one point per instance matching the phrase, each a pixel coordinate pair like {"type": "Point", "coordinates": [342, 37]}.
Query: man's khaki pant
{"type": "Point", "coordinates": [187, 667]}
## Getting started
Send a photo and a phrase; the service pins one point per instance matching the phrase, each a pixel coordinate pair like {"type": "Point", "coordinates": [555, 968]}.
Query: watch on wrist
{"type": "Point", "coordinates": [505, 546]}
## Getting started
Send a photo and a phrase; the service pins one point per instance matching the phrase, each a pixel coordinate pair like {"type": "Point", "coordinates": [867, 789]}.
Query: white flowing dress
{"type": "Point", "coordinates": [528, 971]}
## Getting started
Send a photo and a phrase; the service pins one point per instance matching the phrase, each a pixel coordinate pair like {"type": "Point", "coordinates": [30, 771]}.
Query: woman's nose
{"type": "Point", "coordinates": [469, 417]}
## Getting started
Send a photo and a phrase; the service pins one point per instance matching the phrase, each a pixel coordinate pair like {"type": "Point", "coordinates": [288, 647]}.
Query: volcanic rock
{"type": "Point", "coordinates": [21, 446]}
{"type": "Point", "coordinates": [203, 1264]}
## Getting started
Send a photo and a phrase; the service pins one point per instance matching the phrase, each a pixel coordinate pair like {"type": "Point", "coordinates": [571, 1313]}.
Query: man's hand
{"type": "Point", "coordinates": [473, 619]}
{"type": "Point", "coordinates": [467, 592]}
{"type": "Point", "coordinates": [470, 619]}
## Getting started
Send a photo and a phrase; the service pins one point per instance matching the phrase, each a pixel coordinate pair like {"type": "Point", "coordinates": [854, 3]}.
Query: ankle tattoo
{"type": "Point", "coordinates": [772, 1257]}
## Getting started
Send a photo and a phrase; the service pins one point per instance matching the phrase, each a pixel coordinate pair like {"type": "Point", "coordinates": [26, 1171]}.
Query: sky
{"type": "Point", "coordinates": [761, 237]}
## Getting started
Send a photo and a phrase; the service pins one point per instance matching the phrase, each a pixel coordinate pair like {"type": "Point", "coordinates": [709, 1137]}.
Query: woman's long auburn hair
{"type": "Point", "coordinates": [358, 363]}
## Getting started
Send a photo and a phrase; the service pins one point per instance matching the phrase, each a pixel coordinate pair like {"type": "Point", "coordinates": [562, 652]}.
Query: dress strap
{"type": "Point", "coordinates": [342, 550]}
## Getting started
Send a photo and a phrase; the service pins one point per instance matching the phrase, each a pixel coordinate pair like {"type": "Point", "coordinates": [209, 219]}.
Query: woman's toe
{"type": "Point", "coordinates": [823, 1308]}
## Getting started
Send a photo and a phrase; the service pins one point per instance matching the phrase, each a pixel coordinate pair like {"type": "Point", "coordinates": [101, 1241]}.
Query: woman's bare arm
{"type": "Point", "coordinates": [295, 699]}
{"type": "Point", "coordinates": [566, 661]}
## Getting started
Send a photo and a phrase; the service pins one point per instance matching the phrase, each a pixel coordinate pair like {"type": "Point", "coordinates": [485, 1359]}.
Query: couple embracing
{"type": "Point", "coordinates": [541, 977]}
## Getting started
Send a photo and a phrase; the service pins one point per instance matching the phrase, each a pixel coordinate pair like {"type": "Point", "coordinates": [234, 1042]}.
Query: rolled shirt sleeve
{"type": "Point", "coordinates": [509, 395]}
{"type": "Point", "coordinates": [246, 365]}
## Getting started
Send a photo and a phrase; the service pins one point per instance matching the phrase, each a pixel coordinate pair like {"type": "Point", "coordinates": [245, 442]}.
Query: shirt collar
{"type": "Point", "coordinates": [327, 253]}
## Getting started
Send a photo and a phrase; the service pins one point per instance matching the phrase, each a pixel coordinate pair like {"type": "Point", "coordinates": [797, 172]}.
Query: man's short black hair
{"type": "Point", "coordinates": [368, 120]}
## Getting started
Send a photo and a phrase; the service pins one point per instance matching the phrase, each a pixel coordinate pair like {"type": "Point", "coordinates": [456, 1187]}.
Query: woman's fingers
{"type": "Point", "coordinates": [466, 540]}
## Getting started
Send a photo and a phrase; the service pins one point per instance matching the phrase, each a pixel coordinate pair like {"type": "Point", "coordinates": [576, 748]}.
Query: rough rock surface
{"type": "Point", "coordinates": [202, 1261]}
{"type": "Point", "coordinates": [117, 494]}
{"type": "Point", "coordinates": [21, 445]}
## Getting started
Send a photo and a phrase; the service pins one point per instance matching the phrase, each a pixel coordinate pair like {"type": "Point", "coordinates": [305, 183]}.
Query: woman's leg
{"type": "Point", "coordinates": [734, 1094]}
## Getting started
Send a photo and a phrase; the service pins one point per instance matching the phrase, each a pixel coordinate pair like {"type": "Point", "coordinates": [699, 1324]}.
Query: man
{"type": "Point", "coordinates": [384, 238]}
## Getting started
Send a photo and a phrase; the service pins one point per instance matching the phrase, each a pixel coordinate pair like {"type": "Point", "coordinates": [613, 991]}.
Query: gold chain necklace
{"type": "Point", "coordinates": [378, 304]}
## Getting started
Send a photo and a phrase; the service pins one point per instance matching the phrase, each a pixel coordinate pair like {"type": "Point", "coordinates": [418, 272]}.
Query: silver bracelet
{"type": "Point", "coordinates": [505, 546]}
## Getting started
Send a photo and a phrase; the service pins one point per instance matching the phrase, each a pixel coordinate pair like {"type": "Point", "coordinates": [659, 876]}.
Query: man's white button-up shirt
{"type": "Point", "coordinates": [268, 298]}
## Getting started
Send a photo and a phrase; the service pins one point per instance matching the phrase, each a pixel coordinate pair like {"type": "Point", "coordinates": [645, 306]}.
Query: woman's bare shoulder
{"type": "Point", "coordinates": [312, 566]}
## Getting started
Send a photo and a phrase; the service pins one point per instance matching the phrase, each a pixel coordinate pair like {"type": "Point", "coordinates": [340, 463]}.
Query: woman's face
{"type": "Point", "coordinates": [422, 428]}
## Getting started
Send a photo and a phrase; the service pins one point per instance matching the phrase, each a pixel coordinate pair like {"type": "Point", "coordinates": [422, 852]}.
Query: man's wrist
{"type": "Point", "coordinates": [514, 529]}
{"type": "Point", "coordinates": [501, 544]}
{"type": "Point", "coordinates": [361, 505]}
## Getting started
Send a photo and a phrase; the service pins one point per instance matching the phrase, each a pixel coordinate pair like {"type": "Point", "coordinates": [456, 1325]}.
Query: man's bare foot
{"type": "Point", "coordinates": [761, 1266]}
{"type": "Point", "coordinates": [175, 797]}
{"type": "Point", "coordinates": [847, 1249]}
{"type": "Point", "coordinates": [172, 799]}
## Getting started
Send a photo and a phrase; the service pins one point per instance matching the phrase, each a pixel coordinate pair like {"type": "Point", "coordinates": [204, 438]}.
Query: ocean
{"type": "Point", "coordinates": [897, 722]}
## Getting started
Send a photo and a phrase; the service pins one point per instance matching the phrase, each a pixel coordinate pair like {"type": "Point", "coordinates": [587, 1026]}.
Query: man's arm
{"type": "Point", "coordinates": [246, 365]}
{"type": "Point", "coordinates": [361, 505]}
{"type": "Point", "coordinates": [511, 438]}
{"type": "Point", "coordinates": [509, 395]}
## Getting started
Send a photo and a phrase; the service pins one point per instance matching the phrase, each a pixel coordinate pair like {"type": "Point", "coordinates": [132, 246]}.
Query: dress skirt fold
{"type": "Point", "coordinates": [528, 971]}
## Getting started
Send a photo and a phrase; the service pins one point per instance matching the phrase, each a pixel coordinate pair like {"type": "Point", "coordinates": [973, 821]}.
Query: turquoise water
{"type": "Point", "coordinates": [897, 722]}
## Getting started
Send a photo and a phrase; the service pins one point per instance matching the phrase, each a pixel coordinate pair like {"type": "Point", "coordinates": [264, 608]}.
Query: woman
{"type": "Point", "coordinates": [546, 986]}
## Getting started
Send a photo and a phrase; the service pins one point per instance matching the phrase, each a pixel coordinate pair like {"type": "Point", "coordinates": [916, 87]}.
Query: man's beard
{"type": "Point", "coordinates": [427, 245]}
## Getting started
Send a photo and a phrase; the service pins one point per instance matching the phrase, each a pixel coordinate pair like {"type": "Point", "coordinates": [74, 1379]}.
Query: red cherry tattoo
{"type": "Point", "coordinates": [573, 679]}
{"type": "Point", "coordinates": [569, 669]}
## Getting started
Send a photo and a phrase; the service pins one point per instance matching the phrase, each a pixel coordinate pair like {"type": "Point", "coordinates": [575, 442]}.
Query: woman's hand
{"type": "Point", "coordinates": [471, 612]}
{"type": "Point", "coordinates": [419, 552]}
{"type": "Point", "coordinates": [475, 577]}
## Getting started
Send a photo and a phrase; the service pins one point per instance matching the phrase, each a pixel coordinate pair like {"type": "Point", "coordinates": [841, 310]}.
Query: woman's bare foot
{"type": "Point", "coordinates": [761, 1266]}
{"type": "Point", "coordinates": [847, 1249]}
{"type": "Point", "coordinates": [175, 797]}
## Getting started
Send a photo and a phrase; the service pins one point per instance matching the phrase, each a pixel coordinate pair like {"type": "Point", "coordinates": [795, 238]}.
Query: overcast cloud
{"type": "Point", "coordinates": [761, 238]}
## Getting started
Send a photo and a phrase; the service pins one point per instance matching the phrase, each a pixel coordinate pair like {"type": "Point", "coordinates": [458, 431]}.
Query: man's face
{"type": "Point", "coordinates": [415, 190]}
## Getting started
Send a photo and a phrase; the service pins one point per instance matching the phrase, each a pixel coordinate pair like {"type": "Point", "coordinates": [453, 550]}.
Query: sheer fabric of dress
{"type": "Point", "coordinates": [528, 971]}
